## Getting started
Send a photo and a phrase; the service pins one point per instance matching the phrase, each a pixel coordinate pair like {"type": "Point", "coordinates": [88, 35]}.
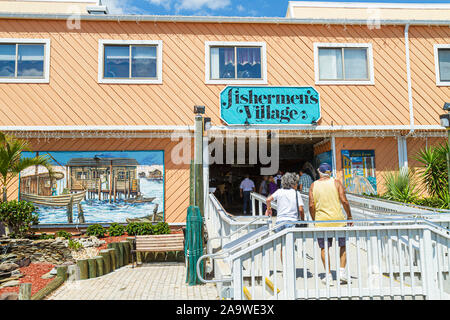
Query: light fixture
{"type": "Point", "coordinates": [206, 124]}
{"type": "Point", "coordinates": [445, 120]}
{"type": "Point", "coordinates": [199, 109]}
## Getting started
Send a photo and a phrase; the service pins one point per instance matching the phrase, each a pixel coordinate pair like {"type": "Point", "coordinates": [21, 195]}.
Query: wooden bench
{"type": "Point", "coordinates": [157, 243]}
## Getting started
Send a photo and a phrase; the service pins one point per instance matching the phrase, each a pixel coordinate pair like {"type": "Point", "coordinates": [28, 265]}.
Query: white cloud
{"type": "Point", "coordinates": [192, 5]}
{"type": "Point", "coordinates": [240, 8]}
{"type": "Point", "coordinates": [121, 7]}
{"type": "Point", "coordinates": [164, 3]}
{"type": "Point", "coordinates": [199, 4]}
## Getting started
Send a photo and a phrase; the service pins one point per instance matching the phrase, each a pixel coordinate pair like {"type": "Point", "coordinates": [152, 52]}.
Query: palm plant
{"type": "Point", "coordinates": [401, 186]}
{"type": "Point", "coordinates": [12, 163]}
{"type": "Point", "coordinates": [434, 171]}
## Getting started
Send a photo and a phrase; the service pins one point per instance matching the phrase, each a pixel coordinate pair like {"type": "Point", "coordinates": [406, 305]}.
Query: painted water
{"type": "Point", "coordinates": [96, 211]}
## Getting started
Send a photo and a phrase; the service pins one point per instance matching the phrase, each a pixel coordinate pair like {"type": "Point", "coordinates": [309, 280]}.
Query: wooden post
{"type": "Point", "coordinates": [61, 272]}
{"type": "Point", "coordinates": [70, 210]}
{"type": "Point", "coordinates": [126, 252]}
{"type": "Point", "coordinates": [92, 268]}
{"type": "Point", "coordinates": [123, 253]}
{"type": "Point", "coordinates": [99, 188]}
{"type": "Point", "coordinates": [84, 268]}
{"type": "Point", "coordinates": [112, 254]}
{"type": "Point", "coordinates": [100, 266]}
{"type": "Point", "coordinates": [106, 260]}
{"type": "Point", "coordinates": [80, 213]}
{"type": "Point", "coordinates": [119, 261]}
{"type": "Point", "coordinates": [110, 182]}
{"type": "Point", "coordinates": [115, 189]}
{"type": "Point", "coordinates": [25, 291]}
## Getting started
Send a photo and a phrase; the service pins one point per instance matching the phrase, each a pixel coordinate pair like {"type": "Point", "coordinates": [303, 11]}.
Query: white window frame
{"type": "Point", "coordinates": [436, 64]}
{"type": "Point", "coordinates": [370, 66]}
{"type": "Point", "coordinates": [46, 77]}
{"type": "Point", "coordinates": [209, 44]}
{"type": "Point", "coordinates": [101, 62]}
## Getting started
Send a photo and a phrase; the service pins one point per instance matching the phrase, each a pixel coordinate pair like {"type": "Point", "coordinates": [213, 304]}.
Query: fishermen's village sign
{"type": "Point", "coordinates": [269, 105]}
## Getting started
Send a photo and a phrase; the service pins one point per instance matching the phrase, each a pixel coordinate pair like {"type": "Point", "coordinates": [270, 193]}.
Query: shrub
{"type": "Point", "coordinates": [63, 234]}
{"type": "Point", "coordinates": [96, 230]}
{"type": "Point", "coordinates": [44, 236]}
{"type": "Point", "coordinates": [400, 186]}
{"type": "Point", "coordinates": [116, 230]}
{"type": "Point", "coordinates": [434, 171]}
{"type": "Point", "coordinates": [161, 228]}
{"type": "Point", "coordinates": [19, 216]}
{"type": "Point", "coordinates": [139, 229]}
{"type": "Point", "coordinates": [75, 245]}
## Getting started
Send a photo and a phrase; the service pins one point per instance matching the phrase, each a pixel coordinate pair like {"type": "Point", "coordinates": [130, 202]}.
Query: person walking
{"type": "Point", "coordinates": [305, 181]}
{"type": "Point", "coordinates": [325, 198]}
{"type": "Point", "coordinates": [289, 202]}
{"type": "Point", "coordinates": [264, 190]}
{"type": "Point", "coordinates": [272, 185]}
{"type": "Point", "coordinates": [247, 186]}
{"type": "Point", "coordinates": [264, 186]}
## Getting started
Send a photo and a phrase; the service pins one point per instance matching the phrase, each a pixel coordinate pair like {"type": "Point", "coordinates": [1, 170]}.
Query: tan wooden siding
{"type": "Point", "coordinates": [176, 176]}
{"type": "Point", "coordinates": [386, 155]}
{"type": "Point", "coordinates": [74, 96]}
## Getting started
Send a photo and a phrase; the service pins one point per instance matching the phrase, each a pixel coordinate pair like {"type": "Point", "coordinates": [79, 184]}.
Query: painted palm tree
{"type": "Point", "coordinates": [12, 163]}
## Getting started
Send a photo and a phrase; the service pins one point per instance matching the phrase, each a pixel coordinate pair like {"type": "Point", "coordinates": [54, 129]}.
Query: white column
{"type": "Point", "coordinates": [333, 155]}
{"type": "Point", "coordinates": [402, 152]}
{"type": "Point", "coordinates": [206, 174]}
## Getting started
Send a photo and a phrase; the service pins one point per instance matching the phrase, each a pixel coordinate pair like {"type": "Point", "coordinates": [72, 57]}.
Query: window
{"type": "Point", "coordinates": [123, 61]}
{"type": "Point", "coordinates": [24, 60]}
{"type": "Point", "coordinates": [442, 57]}
{"type": "Point", "coordinates": [343, 63]}
{"type": "Point", "coordinates": [235, 62]}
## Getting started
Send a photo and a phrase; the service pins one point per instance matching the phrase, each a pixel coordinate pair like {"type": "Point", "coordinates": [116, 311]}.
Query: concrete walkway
{"type": "Point", "coordinates": [155, 281]}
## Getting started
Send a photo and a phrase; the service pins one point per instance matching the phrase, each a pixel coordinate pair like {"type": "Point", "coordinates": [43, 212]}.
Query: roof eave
{"type": "Point", "coordinates": [216, 19]}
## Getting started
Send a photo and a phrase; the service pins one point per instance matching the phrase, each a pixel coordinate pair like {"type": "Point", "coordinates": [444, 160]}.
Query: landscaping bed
{"type": "Point", "coordinates": [32, 274]}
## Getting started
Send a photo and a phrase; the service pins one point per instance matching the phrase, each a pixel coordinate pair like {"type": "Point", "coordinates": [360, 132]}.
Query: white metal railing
{"type": "Point", "coordinates": [408, 258]}
{"type": "Point", "coordinates": [369, 208]}
{"type": "Point", "coordinates": [389, 245]}
{"type": "Point", "coordinates": [225, 227]}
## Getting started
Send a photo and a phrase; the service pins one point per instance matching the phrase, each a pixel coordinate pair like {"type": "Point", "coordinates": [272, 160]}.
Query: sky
{"type": "Point", "coordinates": [244, 8]}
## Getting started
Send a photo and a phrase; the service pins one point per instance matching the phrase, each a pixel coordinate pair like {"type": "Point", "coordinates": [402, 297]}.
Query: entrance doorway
{"type": "Point", "coordinates": [226, 178]}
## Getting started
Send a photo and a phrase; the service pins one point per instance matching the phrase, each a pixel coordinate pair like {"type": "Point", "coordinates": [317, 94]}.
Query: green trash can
{"type": "Point", "coordinates": [193, 248]}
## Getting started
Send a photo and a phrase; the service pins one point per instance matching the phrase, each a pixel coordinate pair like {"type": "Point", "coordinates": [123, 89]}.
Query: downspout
{"type": "Point", "coordinates": [408, 74]}
{"type": "Point", "coordinates": [403, 153]}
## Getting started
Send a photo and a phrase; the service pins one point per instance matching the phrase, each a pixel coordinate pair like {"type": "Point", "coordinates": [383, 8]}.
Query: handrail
{"type": "Point", "coordinates": [226, 253]}
{"type": "Point", "coordinates": [235, 232]}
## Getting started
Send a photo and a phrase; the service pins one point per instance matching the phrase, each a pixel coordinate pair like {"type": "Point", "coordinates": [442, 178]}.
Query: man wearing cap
{"type": "Point", "coordinates": [325, 198]}
{"type": "Point", "coordinates": [247, 186]}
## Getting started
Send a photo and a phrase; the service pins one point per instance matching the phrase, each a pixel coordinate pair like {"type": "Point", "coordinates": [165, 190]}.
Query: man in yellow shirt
{"type": "Point", "coordinates": [325, 198]}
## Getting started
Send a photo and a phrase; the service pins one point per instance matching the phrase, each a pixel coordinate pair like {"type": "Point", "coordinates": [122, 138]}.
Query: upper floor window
{"type": "Point", "coordinates": [24, 60]}
{"type": "Point", "coordinates": [343, 63]}
{"type": "Point", "coordinates": [124, 61]}
{"type": "Point", "coordinates": [442, 57]}
{"type": "Point", "coordinates": [235, 62]}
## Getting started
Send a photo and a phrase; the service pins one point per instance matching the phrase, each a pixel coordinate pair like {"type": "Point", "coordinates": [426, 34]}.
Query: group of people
{"type": "Point", "coordinates": [270, 184]}
{"type": "Point", "coordinates": [326, 199]}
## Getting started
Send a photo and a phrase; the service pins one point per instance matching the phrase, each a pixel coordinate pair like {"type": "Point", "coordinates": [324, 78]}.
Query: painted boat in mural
{"type": "Point", "coordinates": [140, 200]}
{"type": "Point", "coordinates": [54, 201]}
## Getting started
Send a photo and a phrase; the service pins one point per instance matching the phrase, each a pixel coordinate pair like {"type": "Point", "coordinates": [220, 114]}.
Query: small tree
{"type": "Point", "coordinates": [434, 170]}
{"type": "Point", "coordinates": [18, 216]}
{"type": "Point", "coordinates": [12, 162]}
{"type": "Point", "coordinates": [401, 186]}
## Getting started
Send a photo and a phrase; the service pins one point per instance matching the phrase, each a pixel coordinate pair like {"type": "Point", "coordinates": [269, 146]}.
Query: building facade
{"type": "Point", "coordinates": [106, 83]}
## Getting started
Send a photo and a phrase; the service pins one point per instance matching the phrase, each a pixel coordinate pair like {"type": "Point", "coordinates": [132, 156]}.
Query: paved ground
{"type": "Point", "coordinates": [155, 281]}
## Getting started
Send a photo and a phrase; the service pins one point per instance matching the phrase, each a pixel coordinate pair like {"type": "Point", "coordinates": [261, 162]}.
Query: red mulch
{"type": "Point", "coordinates": [32, 274]}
